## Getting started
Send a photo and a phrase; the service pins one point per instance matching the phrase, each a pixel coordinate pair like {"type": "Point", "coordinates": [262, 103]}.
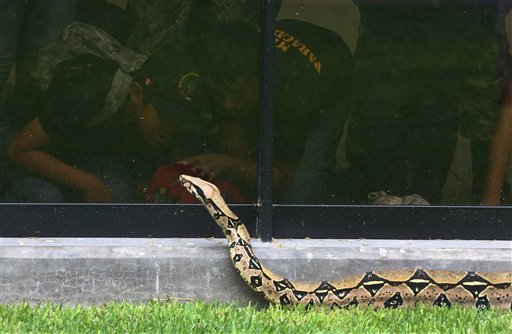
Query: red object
{"type": "Point", "coordinates": [165, 188]}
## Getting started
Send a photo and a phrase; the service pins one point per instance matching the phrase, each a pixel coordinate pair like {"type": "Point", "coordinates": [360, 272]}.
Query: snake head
{"type": "Point", "coordinates": [208, 194]}
{"type": "Point", "coordinates": [202, 190]}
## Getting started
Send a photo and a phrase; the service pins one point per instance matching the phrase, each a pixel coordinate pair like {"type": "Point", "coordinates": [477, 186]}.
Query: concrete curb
{"type": "Point", "coordinates": [98, 270]}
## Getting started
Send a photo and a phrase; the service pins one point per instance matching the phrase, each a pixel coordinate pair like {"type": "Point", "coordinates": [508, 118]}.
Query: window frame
{"type": "Point", "coordinates": [265, 219]}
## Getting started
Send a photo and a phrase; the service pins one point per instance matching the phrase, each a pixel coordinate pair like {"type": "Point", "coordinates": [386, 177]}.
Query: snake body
{"type": "Point", "coordinates": [388, 289]}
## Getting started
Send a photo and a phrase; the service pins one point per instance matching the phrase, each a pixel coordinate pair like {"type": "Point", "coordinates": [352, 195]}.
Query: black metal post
{"type": "Point", "coordinates": [266, 153]}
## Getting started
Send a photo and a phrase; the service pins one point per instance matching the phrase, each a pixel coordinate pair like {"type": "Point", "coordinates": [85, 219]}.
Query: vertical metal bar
{"type": "Point", "coordinates": [266, 152]}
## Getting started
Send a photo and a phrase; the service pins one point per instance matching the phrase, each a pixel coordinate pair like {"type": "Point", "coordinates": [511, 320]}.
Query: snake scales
{"type": "Point", "coordinates": [389, 289]}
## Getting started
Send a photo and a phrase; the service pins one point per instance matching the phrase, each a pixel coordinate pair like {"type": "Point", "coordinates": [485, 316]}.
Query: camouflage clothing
{"type": "Point", "coordinates": [159, 22]}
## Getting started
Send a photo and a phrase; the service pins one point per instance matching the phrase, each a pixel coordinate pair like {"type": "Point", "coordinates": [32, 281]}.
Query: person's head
{"type": "Point", "coordinates": [155, 131]}
{"type": "Point", "coordinates": [165, 93]}
{"type": "Point", "coordinates": [76, 94]}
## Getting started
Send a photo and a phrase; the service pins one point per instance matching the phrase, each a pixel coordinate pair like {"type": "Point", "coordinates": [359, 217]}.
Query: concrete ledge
{"type": "Point", "coordinates": [97, 270]}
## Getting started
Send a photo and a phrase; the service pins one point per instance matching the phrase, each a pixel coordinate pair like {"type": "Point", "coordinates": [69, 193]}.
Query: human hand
{"type": "Point", "coordinates": [97, 192]}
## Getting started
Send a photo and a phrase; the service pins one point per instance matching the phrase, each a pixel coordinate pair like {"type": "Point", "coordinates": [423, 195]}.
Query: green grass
{"type": "Point", "coordinates": [198, 317]}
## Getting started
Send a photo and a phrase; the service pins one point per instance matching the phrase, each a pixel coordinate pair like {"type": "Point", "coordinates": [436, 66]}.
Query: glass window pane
{"type": "Point", "coordinates": [313, 82]}
{"type": "Point", "coordinates": [114, 108]}
{"type": "Point", "coordinates": [388, 102]}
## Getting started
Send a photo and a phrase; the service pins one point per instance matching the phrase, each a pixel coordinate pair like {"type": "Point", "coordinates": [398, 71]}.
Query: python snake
{"type": "Point", "coordinates": [388, 289]}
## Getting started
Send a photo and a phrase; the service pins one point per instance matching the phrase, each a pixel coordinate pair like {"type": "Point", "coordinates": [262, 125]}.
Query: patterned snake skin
{"type": "Point", "coordinates": [389, 289]}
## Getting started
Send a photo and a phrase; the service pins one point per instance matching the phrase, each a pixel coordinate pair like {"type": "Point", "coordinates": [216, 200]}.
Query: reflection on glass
{"type": "Point", "coordinates": [385, 102]}
{"type": "Point", "coordinates": [408, 92]}
{"type": "Point", "coordinates": [313, 88]}
{"type": "Point", "coordinates": [426, 99]}
{"type": "Point", "coordinates": [124, 102]}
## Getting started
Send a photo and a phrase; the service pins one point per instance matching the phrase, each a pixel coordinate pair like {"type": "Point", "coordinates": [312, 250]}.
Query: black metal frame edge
{"type": "Point", "coordinates": [292, 221]}
{"type": "Point", "coordinates": [114, 220]}
{"type": "Point", "coordinates": [265, 152]}
{"type": "Point", "coordinates": [393, 222]}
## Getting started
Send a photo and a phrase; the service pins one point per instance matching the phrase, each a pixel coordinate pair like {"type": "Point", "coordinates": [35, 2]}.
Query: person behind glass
{"type": "Point", "coordinates": [312, 75]}
{"type": "Point", "coordinates": [500, 153]}
{"type": "Point", "coordinates": [25, 26]}
{"type": "Point", "coordinates": [75, 150]}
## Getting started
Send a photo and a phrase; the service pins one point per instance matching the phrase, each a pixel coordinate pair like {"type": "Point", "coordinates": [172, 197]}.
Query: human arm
{"type": "Point", "coordinates": [500, 153]}
{"type": "Point", "coordinates": [26, 151]}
